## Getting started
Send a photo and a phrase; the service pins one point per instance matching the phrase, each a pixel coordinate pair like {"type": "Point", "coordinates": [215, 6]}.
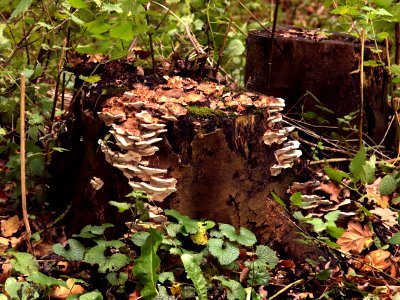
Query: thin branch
{"type": "Point", "coordinates": [271, 48]}
{"type": "Point", "coordinates": [362, 40]}
{"type": "Point", "coordinates": [23, 170]}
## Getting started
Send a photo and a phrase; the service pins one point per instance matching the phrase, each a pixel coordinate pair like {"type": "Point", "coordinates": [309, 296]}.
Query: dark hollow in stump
{"type": "Point", "coordinates": [199, 148]}
{"type": "Point", "coordinates": [321, 65]}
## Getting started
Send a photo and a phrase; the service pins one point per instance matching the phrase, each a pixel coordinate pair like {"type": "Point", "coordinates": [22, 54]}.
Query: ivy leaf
{"type": "Point", "coordinates": [395, 239]}
{"type": "Point", "coordinates": [146, 265]}
{"type": "Point", "coordinates": [122, 206]}
{"type": "Point", "coordinates": [95, 255]}
{"type": "Point", "coordinates": [296, 199]}
{"type": "Point", "coordinates": [74, 251]}
{"type": "Point", "coordinates": [245, 236]}
{"type": "Point", "coordinates": [189, 225]}
{"type": "Point", "coordinates": [226, 252]}
{"type": "Point", "coordinates": [90, 231]}
{"type": "Point", "coordinates": [357, 163]}
{"type": "Point", "coordinates": [139, 238]}
{"type": "Point", "coordinates": [40, 278]}
{"type": "Point", "coordinates": [22, 6]}
{"type": "Point", "coordinates": [24, 263]}
{"type": "Point", "coordinates": [195, 274]}
{"type": "Point", "coordinates": [388, 185]}
{"type": "Point", "coordinates": [234, 289]}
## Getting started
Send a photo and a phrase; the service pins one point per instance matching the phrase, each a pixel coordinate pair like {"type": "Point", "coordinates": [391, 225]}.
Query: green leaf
{"type": "Point", "coordinates": [395, 70]}
{"type": "Point", "coordinates": [267, 256]}
{"type": "Point", "coordinates": [296, 199]}
{"type": "Point", "coordinates": [234, 289]}
{"type": "Point", "coordinates": [74, 250]}
{"type": "Point", "coordinates": [235, 48]}
{"type": "Point", "coordinates": [117, 279]}
{"type": "Point", "coordinates": [318, 224]}
{"type": "Point", "coordinates": [77, 3]}
{"type": "Point", "coordinates": [259, 277]}
{"type": "Point", "coordinates": [110, 244]}
{"type": "Point", "coordinates": [112, 263]}
{"type": "Point", "coordinates": [146, 265]}
{"type": "Point", "coordinates": [95, 295]}
{"type": "Point", "coordinates": [278, 199]}
{"type": "Point", "coordinates": [90, 79]}
{"type": "Point", "coordinates": [22, 6]}
{"type": "Point", "coordinates": [189, 225]}
{"type": "Point", "coordinates": [20, 290]}
{"type": "Point", "coordinates": [174, 229]}
{"type": "Point", "coordinates": [4, 42]}
{"type": "Point", "coordinates": [122, 206]}
{"type": "Point", "coordinates": [395, 239]}
{"type": "Point", "coordinates": [139, 238]}
{"type": "Point", "coordinates": [91, 231]}
{"type": "Point", "coordinates": [109, 7]}
{"type": "Point", "coordinates": [336, 175]}
{"type": "Point", "coordinates": [40, 278]}
{"type": "Point", "coordinates": [24, 263]}
{"type": "Point", "coordinates": [368, 173]}
{"type": "Point", "coordinates": [388, 185]}
{"type": "Point", "coordinates": [226, 252]}
{"type": "Point", "coordinates": [335, 231]}
{"type": "Point", "coordinates": [309, 115]}
{"type": "Point", "coordinates": [195, 274]}
{"type": "Point", "coordinates": [324, 275]}
{"type": "Point", "coordinates": [245, 236]}
{"type": "Point", "coordinates": [357, 163]}
{"type": "Point", "coordinates": [166, 276]}
{"type": "Point", "coordinates": [122, 31]}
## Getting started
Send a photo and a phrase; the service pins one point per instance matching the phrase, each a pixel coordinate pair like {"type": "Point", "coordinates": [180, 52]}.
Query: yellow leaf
{"type": "Point", "coordinates": [200, 238]}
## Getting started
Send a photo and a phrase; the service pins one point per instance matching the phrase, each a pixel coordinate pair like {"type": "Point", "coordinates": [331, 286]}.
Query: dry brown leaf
{"type": "Point", "coordinates": [388, 217]}
{"type": "Point", "coordinates": [379, 259]}
{"type": "Point", "coordinates": [3, 244]}
{"type": "Point", "coordinates": [332, 189]}
{"type": "Point", "coordinates": [10, 226]}
{"type": "Point", "coordinates": [61, 292]}
{"type": "Point", "coordinates": [6, 272]}
{"type": "Point", "coordinates": [356, 238]}
{"type": "Point", "coordinates": [134, 296]}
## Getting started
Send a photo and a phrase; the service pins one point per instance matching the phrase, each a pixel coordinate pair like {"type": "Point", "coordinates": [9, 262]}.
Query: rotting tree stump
{"type": "Point", "coordinates": [200, 148]}
{"type": "Point", "coordinates": [311, 63]}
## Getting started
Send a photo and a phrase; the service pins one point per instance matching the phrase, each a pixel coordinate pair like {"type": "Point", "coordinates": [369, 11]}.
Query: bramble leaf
{"type": "Point", "coordinates": [388, 185]}
{"type": "Point", "coordinates": [24, 263]}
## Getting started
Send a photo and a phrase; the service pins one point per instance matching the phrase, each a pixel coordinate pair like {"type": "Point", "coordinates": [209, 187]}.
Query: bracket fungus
{"type": "Point", "coordinates": [139, 118]}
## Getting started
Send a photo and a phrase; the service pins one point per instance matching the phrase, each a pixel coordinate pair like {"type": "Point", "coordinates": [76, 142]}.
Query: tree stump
{"type": "Point", "coordinates": [200, 148]}
{"type": "Point", "coordinates": [309, 64]}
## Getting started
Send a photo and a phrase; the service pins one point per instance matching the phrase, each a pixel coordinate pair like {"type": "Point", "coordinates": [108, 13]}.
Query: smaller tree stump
{"type": "Point", "coordinates": [309, 64]}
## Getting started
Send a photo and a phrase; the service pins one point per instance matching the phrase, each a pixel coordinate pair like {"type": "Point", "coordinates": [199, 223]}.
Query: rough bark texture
{"type": "Point", "coordinates": [324, 65]}
{"type": "Point", "coordinates": [221, 164]}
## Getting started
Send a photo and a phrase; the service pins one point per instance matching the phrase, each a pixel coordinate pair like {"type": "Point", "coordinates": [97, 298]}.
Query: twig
{"type": "Point", "coordinates": [272, 44]}
{"type": "Point", "coordinates": [325, 147]}
{"type": "Point", "coordinates": [362, 40]}
{"type": "Point", "coordinates": [60, 67]}
{"type": "Point", "coordinates": [252, 15]}
{"type": "Point", "coordinates": [23, 170]}
{"type": "Point", "coordinates": [285, 288]}
{"type": "Point", "coordinates": [328, 160]}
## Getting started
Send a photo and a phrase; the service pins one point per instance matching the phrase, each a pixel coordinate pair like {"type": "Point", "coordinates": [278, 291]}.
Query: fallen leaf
{"type": "Point", "coordinates": [356, 238]}
{"type": "Point", "coordinates": [388, 217]}
{"type": "Point", "coordinates": [135, 295]}
{"type": "Point", "coordinates": [6, 272]}
{"type": "Point", "coordinates": [61, 292]}
{"type": "Point", "coordinates": [10, 226]}
{"type": "Point", "coordinates": [3, 244]}
{"type": "Point", "coordinates": [332, 189]}
{"type": "Point", "coordinates": [377, 259]}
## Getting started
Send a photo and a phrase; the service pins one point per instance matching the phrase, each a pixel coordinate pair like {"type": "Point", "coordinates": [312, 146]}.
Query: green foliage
{"type": "Point", "coordinates": [42, 279]}
{"type": "Point", "coordinates": [74, 251]}
{"type": "Point", "coordinates": [388, 185]}
{"type": "Point", "coordinates": [24, 263]}
{"type": "Point", "coordinates": [112, 263]}
{"type": "Point", "coordinates": [226, 252]}
{"type": "Point", "coordinates": [90, 231]}
{"type": "Point", "coordinates": [234, 288]}
{"type": "Point", "coordinates": [245, 236]}
{"type": "Point", "coordinates": [195, 274]}
{"type": "Point", "coordinates": [146, 265]}
{"type": "Point", "coordinates": [20, 290]}
{"type": "Point", "coordinates": [189, 226]}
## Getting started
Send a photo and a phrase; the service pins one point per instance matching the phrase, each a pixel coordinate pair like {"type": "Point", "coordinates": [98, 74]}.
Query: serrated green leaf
{"type": "Point", "coordinates": [112, 263]}
{"type": "Point", "coordinates": [74, 250]}
{"type": "Point", "coordinates": [166, 276]}
{"type": "Point", "coordinates": [40, 278]}
{"type": "Point", "coordinates": [24, 263]}
{"type": "Point", "coordinates": [77, 3]}
{"type": "Point", "coordinates": [139, 238]}
{"type": "Point", "coordinates": [22, 6]}
{"type": "Point", "coordinates": [318, 224]}
{"type": "Point", "coordinates": [335, 231]}
{"type": "Point", "coordinates": [91, 231]}
{"type": "Point", "coordinates": [388, 185]}
{"type": "Point", "coordinates": [234, 289]}
{"type": "Point", "coordinates": [146, 265]}
{"type": "Point", "coordinates": [336, 175]}
{"type": "Point", "coordinates": [226, 252]}
{"type": "Point", "coordinates": [235, 48]}
{"type": "Point", "coordinates": [195, 274]}
{"type": "Point", "coordinates": [395, 70]}
{"type": "Point", "coordinates": [188, 224]}
{"type": "Point", "coordinates": [368, 173]}
{"type": "Point", "coordinates": [296, 199]}
{"type": "Point", "coordinates": [95, 295]}
{"type": "Point", "coordinates": [395, 239]}
{"type": "Point", "coordinates": [109, 7]}
{"type": "Point", "coordinates": [123, 31]}
{"type": "Point", "coordinates": [259, 277]}
{"type": "Point", "coordinates": [266, 255]}
{"type": "Point", "coordinates": [20, 290]}
{"type": "Point", "coordinates": [116, 279]}
{"type": "Point", "coordinates": [122, 206]}
{"type": "Point", "coordinates": [357, 163]}
{"type": "Point", "coordinates": [245, 236]}
{"type": "Point", "coordinates": [278, 199]}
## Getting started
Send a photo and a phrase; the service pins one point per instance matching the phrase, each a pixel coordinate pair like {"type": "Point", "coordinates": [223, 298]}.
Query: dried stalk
{"type": "Point", "coordinates": [23, 170]}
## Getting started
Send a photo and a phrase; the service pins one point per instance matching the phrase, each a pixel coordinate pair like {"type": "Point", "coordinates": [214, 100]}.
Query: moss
{"type": "Point", "coordinates": [204, 112]}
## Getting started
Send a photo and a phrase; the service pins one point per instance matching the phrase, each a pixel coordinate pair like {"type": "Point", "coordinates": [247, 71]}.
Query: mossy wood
{"type": "Point", "coordinates": [309, 65]}
{"type": "Point", "coordinates": [206, 153]}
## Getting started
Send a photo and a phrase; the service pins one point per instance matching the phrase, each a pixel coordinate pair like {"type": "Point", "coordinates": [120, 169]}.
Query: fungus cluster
{"type": "Point", "coordinates": [138, 119]}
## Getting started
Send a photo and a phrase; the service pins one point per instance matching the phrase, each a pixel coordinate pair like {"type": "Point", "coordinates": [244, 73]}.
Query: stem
{"type": "Point", "coordinates": [23, 170]}
{"type": "Point", "coordinates": [362, 40]}
{"type": "Point", "coordinates": [272, 44]}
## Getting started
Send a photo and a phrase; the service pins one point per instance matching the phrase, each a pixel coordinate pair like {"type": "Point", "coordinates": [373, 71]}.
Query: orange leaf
{"type": "Point", "coordinates": [356, 238]}
{"type": "Point", "coordinates": [377, 259]}
{"type": "Point", "coordinates": [10, 226]}
{"type": "Point", "coordinates": [61, 292]}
